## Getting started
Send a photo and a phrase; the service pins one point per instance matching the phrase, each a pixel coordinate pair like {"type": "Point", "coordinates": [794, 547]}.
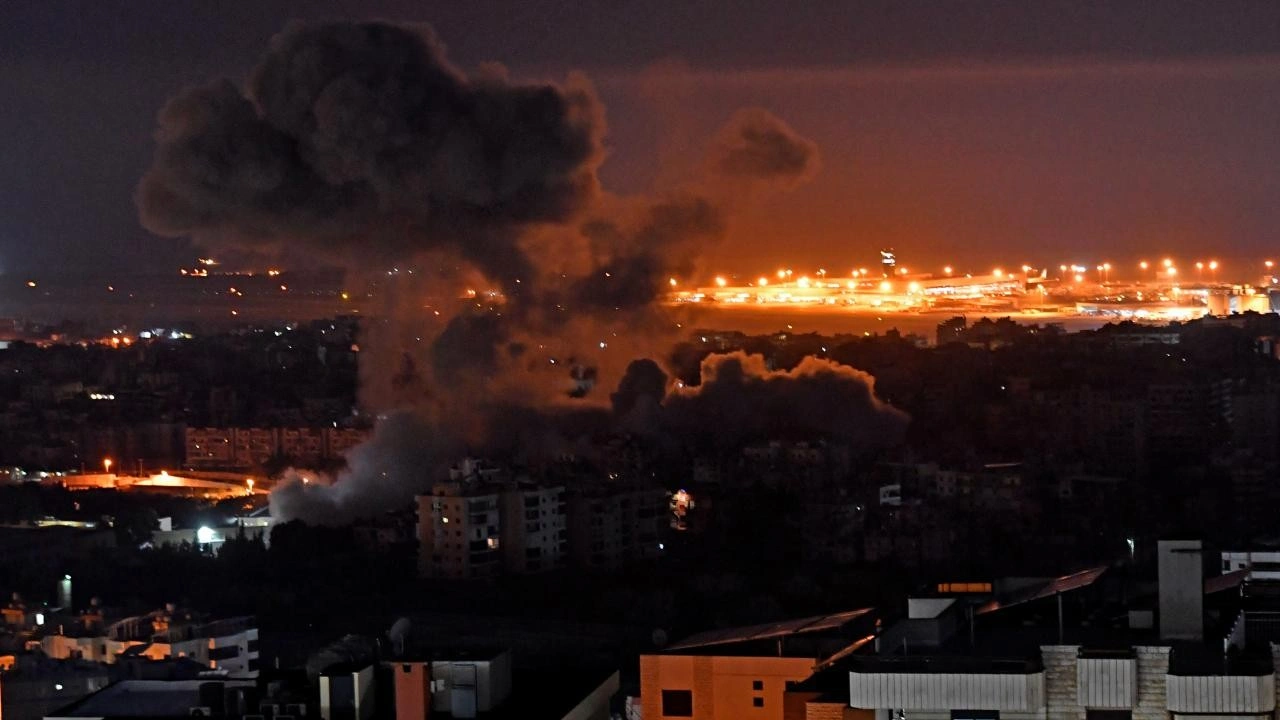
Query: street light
{"type": "Point", "coordinates": [106, 465]}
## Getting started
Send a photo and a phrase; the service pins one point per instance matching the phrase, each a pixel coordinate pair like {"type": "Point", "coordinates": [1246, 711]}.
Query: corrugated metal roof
{"type": "Point", "coordinates": [816, 623]}
{"type": "Point", "coordinates": [1066, 583]}
{"type": "Point", "coordinates": [1225, 581]}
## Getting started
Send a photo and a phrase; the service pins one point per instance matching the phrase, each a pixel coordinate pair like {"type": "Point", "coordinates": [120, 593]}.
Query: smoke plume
{"type": "Point", "coordinates": [740, 400]}
{"type": "Point", "coordinates": [360, 144]}
{"type": "Point", "coordinates": [363, 143]}
{"type": "Point", "coordinates": [756, 145]}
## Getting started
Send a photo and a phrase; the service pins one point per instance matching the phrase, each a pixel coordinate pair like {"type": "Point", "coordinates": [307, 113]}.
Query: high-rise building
{"type": "Point", "coordinates": [479, 524]}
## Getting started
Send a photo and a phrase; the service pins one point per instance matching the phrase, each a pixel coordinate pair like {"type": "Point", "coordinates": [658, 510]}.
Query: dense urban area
{"type": "Point", "coordinates": [136, 513]}
{"type": "Point", "coordinates": [596, 360]}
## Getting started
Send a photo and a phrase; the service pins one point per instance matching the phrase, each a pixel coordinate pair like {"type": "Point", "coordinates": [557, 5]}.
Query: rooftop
{"type": "Point", "coordinates": [1056, 586]}
{"type": "Point", "coordinates": [143, 699]}
{"type": "Point", "coordinates": [770, 631]}
{"type": "Point", "coordinates": [820, 637]}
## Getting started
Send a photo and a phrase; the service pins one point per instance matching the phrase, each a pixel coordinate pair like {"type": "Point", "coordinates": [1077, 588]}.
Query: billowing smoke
{"type": "Point", "coordinates": [361, 144]}
{"type": "Point", "coordinates": [644, 383]}
{"type": "Point", "coordinates": [665, 242]}
{"type": "Point", "coordinates": [758, 146]}
{"type": "Point", "coordinates": [405, 451]}
{"type": "Point", "coordinates": [740, 400]}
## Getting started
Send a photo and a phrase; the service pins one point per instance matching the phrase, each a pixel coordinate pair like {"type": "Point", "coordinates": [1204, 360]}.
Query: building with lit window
{"type": "Point", "coordinates": [229, 644]}
{"type": "Point", "coordinates": [479, 524]}
{"type": "Point", "coordinates": [241, 448]}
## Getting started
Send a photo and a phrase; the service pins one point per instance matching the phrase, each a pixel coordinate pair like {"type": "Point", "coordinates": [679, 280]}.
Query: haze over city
{"type": "Point", "coordinates": [976, 133]}
{"type": "Point", "coordinates": [623, 361]}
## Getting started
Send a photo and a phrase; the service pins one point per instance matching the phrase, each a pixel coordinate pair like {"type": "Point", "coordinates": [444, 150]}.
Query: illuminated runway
{"type": "Point", "coordinates": [825, 319]}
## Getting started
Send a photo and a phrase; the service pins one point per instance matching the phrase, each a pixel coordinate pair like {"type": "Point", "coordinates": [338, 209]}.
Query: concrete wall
{"type": "Point", "coordinates": [1181, 570]}
{"type": "Point", "coordinates": [1063, 691]}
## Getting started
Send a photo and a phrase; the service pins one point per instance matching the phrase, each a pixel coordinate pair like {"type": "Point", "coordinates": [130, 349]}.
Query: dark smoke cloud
{"type": "Point", "coordinates": [362, 142]}
{"type": "Point", "coordinates": [756, 145]}
{"type": "Point", "coordinates": [664, 243]}
{"type": "Point", "coordinates": [643, 380]}
{"type": "Point", "coordinates": [740, 400]}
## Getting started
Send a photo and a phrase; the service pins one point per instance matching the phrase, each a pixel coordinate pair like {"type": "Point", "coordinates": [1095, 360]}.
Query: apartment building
{"type": "Point", "coordinates": [230, 644]}
{"type": "Point", "coordinates": [610, 526]}
{"type": "Point", "coordinates": [239, 448]}
{"type": "Point", "coordinates": [480, 524]}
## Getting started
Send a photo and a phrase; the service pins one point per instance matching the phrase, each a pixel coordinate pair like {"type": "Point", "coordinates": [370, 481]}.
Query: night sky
{"type": "Point", "coordinates": [965, 132]}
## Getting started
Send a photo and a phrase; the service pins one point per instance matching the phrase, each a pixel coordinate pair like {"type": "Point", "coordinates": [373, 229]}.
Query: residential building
{"type": "Point", "coordinates": [479, 524]}
{"type": "Point", "coordinates": [241, 448]}
{"type": "Point", "coordinates": [610, 526]}
{"type": "Point", "coordinates": [533, 528]}
{"type": "Point", "coordinates": [230, 645]}
{"type": "Point", "coordinates": [1258, 565]}
{"type": "Point", "coordinates": [1010, 657]}
{"type": "Point", "coordinates": [1093, 682]}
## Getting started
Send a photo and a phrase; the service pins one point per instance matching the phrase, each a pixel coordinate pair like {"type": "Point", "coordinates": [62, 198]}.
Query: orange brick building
{"type": "Point", "coordinates": [744, 673]}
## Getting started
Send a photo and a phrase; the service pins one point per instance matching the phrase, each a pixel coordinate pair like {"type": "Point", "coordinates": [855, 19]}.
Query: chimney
{"type": "Point", "coordinates": [1181, 576]}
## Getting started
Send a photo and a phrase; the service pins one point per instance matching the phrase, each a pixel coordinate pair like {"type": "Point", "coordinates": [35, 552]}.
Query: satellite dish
{"type": "Point", "coordinates": [398, 633]}
{"type": "Point", "coordinates": [659, 637]}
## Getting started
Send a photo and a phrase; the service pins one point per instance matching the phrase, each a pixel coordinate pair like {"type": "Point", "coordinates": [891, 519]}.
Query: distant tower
{"type": "Point", "coordinates": [888, 262]}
